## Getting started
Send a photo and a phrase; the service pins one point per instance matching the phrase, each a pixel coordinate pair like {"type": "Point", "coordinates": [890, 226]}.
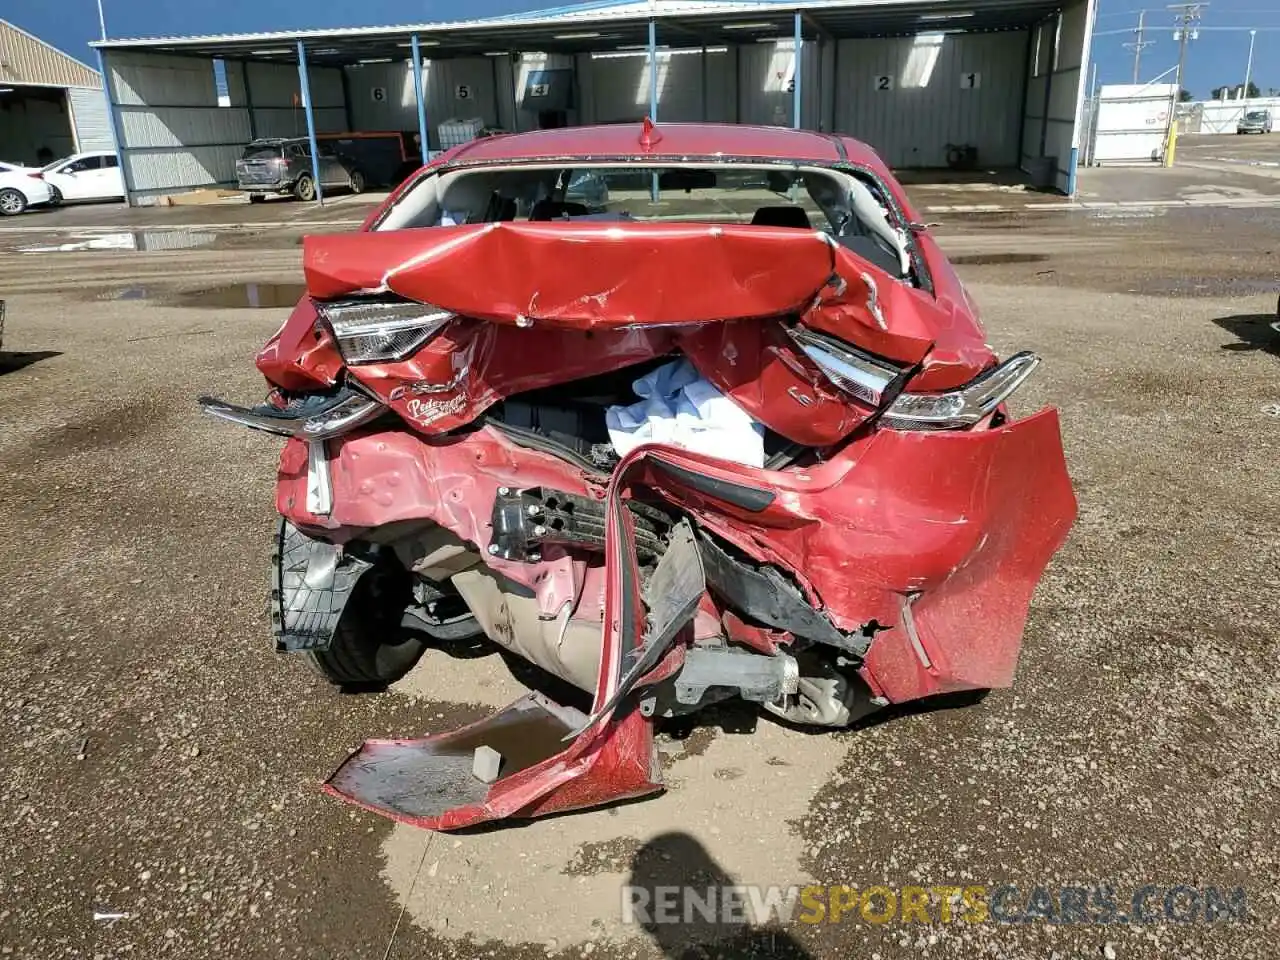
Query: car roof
{"type": "Point", "coordinates": [670, 141]}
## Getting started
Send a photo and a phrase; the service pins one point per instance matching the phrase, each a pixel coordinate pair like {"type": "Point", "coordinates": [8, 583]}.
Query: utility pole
{"type": "Point", "coordinates": [1248, 69]}
{"type": "Point", "coordinates": [1186, 21]}
{"type": "Point", "coordinates": [102, 21]}
{"type": "Point", "coordinates": [1137, 45]}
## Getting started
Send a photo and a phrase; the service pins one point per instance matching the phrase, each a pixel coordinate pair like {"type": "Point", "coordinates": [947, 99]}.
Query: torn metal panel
{"type": "Point", "coordinates": [587, 276]}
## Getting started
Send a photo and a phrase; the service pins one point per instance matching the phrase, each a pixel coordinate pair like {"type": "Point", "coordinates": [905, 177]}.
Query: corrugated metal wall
{"type": "Point", "coordinates": [90, 118]}
{"type": "Point", "coordinates": [28, 59]}
{"type": "Point", "coordinates": [532, 63]}
{"type": "Point", "coordinates": [275, 97]}
{"type": "Point", "coordinates": [173, 135]}
{"type": "Point", "coordinates": [615, 87]}
{"type": "Point", "coordinates": [909, 97]}
{"type": "Point", "coordinates": [747, 84]}
{"type": "Point", "coordinates": [382, 96]}
{"type": "Point", "coordinates": [765, 73]}
{"type": "Point", "coordinates": [1055, 85]}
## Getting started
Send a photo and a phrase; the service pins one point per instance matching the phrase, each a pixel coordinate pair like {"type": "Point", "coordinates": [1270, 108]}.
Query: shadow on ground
{"type": "Point", "coordinates": [11, 361]}
{"type": "Point", "coordinates": [1253, 331]}
{"type": "Point", "coordinates": [676, 861]}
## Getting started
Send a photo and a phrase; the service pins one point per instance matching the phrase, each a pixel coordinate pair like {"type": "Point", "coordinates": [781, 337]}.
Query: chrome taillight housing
{"type": "Point", "coordinates": [964, 406]}
{"type": "Point", "coordinates": [381, 331]}
{"type": "Point", "coordinates": [856, 373]}
{"type": "Point", "coordinates": [871, 380]}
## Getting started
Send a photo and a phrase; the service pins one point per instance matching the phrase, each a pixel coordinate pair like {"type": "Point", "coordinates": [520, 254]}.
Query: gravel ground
{"type": "Point", "coordinates": [161, 761]}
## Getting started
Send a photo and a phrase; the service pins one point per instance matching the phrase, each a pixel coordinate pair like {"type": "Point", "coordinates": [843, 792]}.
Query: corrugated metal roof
{"type": "Point", "coordinates": [25, 59]}
{"type": "Point", "coordinates": [696, 21]}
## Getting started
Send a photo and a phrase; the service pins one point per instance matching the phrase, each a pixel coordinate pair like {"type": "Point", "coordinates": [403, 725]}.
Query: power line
{"type": "Point", "coordinates": [1138, 44]}
{"type": "Point", "coordinates": [1187, 22]}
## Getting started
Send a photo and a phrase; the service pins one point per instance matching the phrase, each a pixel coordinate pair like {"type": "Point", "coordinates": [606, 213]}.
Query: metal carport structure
{"type": "Point", "coordinates": [903, 76]}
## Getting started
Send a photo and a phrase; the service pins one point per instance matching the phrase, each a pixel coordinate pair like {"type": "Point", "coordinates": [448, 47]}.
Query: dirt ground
{"type": "Point", "coordinates": [162, 762]}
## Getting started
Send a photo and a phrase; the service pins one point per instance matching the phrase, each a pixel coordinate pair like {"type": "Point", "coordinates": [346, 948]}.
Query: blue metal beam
{"type": "Point", "coordinates": [795, 92]}
{"type": "Point", "coordinates": [653, 71]}
{"type": "Point", "coordinates": [653, 96]}
{"type": "Point", "coordinates": [116, 139]}
{"type": "Point", "coordinates": [311, 119]}
{"type": "Point", "coordinates": [420, 97]}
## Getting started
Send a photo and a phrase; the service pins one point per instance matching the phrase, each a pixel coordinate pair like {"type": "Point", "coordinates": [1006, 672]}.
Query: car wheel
{"type": "Point", "coordinates": [55, 197]}
{"type": "Point", "coordinates": [12, 202]}
{"type": "Point", "coordinates": [356, 181]}
{"type": "Point", "coordinates": [305, 188]}
{"type": "Point", "coordinates": [257, 197]}
{"type": "Point", "coordinates": [369, 647]}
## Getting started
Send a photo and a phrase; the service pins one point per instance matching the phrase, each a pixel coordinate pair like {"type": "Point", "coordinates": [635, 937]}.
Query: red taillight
{"type": "Point", "coordinates": [36, 176]}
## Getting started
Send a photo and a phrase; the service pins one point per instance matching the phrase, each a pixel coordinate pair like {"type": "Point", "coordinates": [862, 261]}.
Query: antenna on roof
{"type": "Point", "coordinates": [649, 134]}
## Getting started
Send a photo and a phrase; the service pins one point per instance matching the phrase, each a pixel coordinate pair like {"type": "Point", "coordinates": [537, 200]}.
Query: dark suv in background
{"type": "Point", "coordinates": [283, 166]}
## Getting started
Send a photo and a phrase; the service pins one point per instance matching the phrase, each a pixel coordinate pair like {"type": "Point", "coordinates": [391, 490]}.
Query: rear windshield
{"type": "Point", "coordinates": [260, 151]}
{"type": "Point", "coordinates": [1256, 115]}
{"type": "Point", "coordinates": [850, 207]}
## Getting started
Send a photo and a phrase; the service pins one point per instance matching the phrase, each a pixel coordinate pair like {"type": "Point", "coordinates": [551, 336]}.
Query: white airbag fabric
{"type": "Point", "coordinates": [681, 409]}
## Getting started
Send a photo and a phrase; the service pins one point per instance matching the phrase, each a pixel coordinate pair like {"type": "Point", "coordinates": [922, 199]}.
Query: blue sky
{"type": "Point", "coordinates": [1218, 57]}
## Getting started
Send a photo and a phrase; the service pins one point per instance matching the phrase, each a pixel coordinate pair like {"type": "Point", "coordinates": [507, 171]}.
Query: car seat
{"type": "Point", "coordinates": [557, 209]}
{"type": "Point", "coordinates": [782, 217]}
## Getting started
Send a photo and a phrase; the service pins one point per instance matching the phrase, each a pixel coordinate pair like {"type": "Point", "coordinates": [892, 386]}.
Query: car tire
{"type": "Point", "coordinates": [55, 197]}
{"type": "Point", "coordinates": [305, 188]}
{"type": "Point", "coordinates": [356, 181]}
{"type": "Point", "coordinates": [257, 197]}
{"type": "Point", "coordinates": [370, 649]}
{"type": "Point", "coordinates": [12, 202]}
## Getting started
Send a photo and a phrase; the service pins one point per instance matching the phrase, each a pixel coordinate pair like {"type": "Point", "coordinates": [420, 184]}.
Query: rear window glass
{"type": "Point", "coordinates": [261, 151]}
{"type": "Point", "coordinates": [1256, 115]}
{"type": "Point", "coordinates": [848, 207]}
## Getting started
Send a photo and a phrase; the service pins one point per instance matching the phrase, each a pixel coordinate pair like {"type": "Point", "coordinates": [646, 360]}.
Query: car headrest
{"type": "Point", "coordinates": [782, 217]}
{"type": "Point", "coordinates": [555, 209]}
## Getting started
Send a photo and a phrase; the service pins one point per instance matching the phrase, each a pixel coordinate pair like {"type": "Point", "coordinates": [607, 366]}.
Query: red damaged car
{"type": "Point", "coordinates": [677, 413]}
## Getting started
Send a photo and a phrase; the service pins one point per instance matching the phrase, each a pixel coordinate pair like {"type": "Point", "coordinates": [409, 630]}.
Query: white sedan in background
{"type": "Point", "coordinates": [21, 187]}
{"type": "Point", "coordinates": [85, 176]}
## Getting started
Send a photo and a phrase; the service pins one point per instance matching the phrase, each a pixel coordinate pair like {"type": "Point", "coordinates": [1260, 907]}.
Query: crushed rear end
{"type": "Point", "coordinates": [882, 547]}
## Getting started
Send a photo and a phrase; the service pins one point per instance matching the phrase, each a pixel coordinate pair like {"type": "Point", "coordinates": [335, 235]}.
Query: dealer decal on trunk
{"type": "Point", "coordinates": [429, 411]}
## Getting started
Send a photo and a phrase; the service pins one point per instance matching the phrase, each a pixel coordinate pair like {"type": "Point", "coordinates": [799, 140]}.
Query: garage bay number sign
{"type": "Point", "coordinates": [968, 81]}
{"type": "Point", "coordinates": [461, 91]}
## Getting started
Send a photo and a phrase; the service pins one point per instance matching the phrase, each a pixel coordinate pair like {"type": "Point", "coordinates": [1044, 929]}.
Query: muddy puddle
{"type": "Point", "coordinates": [236, 296]}
{"type": "Point", "coordinates": [243, 295]}
{"type": "Point", "coordinates": [125, 240]}
{"type": "Point", "coordinates": [994, 259]}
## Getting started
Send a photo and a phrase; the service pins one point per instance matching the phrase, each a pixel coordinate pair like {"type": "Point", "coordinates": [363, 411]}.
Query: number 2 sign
{"type": "Point", "coordinates": [884, 82]}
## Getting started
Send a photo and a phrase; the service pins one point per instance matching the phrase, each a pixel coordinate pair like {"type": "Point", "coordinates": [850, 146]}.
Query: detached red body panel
{"type": "Point", "coordinates": [901, 560]}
